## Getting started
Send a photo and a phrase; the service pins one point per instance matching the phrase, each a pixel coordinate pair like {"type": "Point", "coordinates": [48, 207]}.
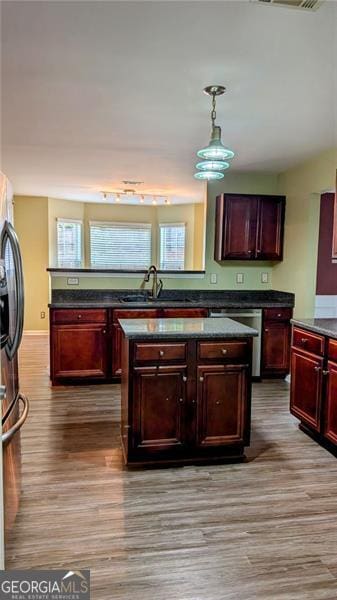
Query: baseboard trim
{"type": "Point", "coordinates": [36, 332]}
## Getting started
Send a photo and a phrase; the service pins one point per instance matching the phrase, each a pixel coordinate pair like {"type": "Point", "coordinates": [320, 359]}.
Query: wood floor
{"type": "Point", "coordinates": [265, 530]}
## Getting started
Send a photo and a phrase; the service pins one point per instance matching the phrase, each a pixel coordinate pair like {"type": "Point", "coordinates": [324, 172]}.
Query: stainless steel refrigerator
{"type": "Point", "coordinates": [14, 405]}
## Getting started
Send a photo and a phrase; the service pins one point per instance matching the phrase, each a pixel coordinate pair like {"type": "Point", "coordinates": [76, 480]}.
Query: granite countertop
{"type": "Point", "coordinates": [171, 298]}
{"type": "Point", "coordinates": [186, 328]}
{"type": "Point", "coordinates": [326, 327]}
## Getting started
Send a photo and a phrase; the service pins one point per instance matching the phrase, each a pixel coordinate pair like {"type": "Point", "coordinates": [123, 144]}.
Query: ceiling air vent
{"type": "Point", "coordinates": [299, 4]}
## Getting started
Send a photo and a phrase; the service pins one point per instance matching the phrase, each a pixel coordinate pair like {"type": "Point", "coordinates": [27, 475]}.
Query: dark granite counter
{"type": "Point", "coordinates": [221, 328]}
{"type": "Point", "coordinates": [171, 298]}
{"type": "Point", "coordinates": [326, 327]}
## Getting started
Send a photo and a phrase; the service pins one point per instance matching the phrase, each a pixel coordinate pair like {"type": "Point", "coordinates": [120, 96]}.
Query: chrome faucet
{"type": "Point", "coordinates": [157, 286]}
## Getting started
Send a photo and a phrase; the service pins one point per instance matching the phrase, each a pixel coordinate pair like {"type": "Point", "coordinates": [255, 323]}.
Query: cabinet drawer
{"type": "Point", "coordinates": [160, 352]}
{"type": "Point", "coordinates": [332, 350]}
{"type": "Point", "coordinates": [277, 314]}
{"type": "Point", "coordinates": [86, 315]}
{"type": "Point", "coordinates": [134, 314]}
{"type": "Point", "coordinates": [185, 312]}
{"type": "Point", "coordinates": [308, 341]}
{"type": "Point", "coordinates": [223, 350]}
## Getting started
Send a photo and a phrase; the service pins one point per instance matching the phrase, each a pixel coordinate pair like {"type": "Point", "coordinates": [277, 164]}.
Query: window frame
{"type": "Point", "coordinates": [171, 224]}
{"type": "Point", "coordinates": [131, 224]}
{"type": "Point", "coordinates": [70, 220]}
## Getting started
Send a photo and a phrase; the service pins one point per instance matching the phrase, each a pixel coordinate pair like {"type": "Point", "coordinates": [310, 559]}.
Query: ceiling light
{"type": "Point", "coordinates": [209, 175]}
{"type": "Point", "coordinates": [154, 201]}
{"type": "Point", "coordinates": [215, 153]}
{"type": "Point", "coordinates": [212, 165]}
{"type": "Point", "coordinates": [118, 197]}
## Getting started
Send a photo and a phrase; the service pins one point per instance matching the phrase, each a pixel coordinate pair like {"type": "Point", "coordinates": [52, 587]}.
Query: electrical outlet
{"type": "Point", "coordinates": [264, 277]}
{"type": "Point", "coordinates": [72, 281]}
{"type": "Point", "coordinates": [42, 314]}
{"type": "Point", "coordinates": [214, 278]}
{"type": "Point", "coordinates": [239, 278]}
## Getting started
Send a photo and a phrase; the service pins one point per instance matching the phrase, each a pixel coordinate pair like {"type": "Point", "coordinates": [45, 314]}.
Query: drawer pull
{"type": "Point", "coordinates": [217, 402]}
{"type": "Point", "coordinates": [279, 315]}
{"type": "Point", "coordinates": [224, 351]}
{"type": "Point", "coordinates": [181, 399]}
{"type": "Point", "coordinates": [325, 372]}
{"type": "Point", "coordinates": [317, 368]}
{"type": "Point", "coordinates": [193, 401]}
{"type": "Point", "coordinates": [79, 316]}
{"type": "Point", "coordinates": [304, 340]}
{"type": "Point", "coordinates": [161, 352]}
{"type": "Point", "coordinates": [266, 330]}
{"type": "Point", "coordinates": [201, 379]}
{"type": "Point", "coordinates": [184, 378]}
{"type": "Point", "coordinates": [104, 331]}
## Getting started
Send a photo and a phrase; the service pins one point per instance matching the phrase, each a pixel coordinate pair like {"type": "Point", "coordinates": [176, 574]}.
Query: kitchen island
{"type": "Point", "coordinates": [313, 390]}
{"type": "Point", "coordinates": [186, 390]}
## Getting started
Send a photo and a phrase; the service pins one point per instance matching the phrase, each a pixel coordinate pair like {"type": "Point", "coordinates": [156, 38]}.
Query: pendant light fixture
{"type": "Point", "coordinates": [215, 155]}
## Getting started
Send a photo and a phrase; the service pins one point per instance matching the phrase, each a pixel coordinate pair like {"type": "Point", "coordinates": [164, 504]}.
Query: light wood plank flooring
{"type": "Point", "coordinates": [266, 529]}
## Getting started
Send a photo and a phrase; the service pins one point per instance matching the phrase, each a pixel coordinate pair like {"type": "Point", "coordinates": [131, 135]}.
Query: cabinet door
{"type": "Point", "coordinates": [236, 224]}
{"type": "Point", "coordinates": [330, 425]}
{"type": "Point", "coordinates": [306, 387]}
{"type": "Point", "coordinates": [159, 397]}
{"type": "Point", "coordinates": [79, 351]}
{"type": "Point", "coordinates": [270, 228]}
{"type": "Point", "coordinates": [276, 348]}
{"type": "Point", "coordinates": [117, 333]}
{"type": "Point", "coordinates": [222, 405]}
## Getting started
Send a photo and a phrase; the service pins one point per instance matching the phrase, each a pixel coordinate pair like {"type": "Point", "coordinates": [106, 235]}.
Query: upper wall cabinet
{"type": "Point", "coordinates": [249, 227]}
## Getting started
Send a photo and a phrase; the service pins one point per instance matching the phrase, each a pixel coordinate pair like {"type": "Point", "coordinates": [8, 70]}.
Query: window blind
{"type": "Point", "coordinates": [69, 243]}
{"type": "Point", "coordinates": [172, 246]}
{"type": "Point", "coordinates": [120, 245]}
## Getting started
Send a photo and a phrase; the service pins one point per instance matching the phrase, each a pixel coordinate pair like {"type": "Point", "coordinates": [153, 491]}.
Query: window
{"type": "Point", "coordinates": [172, 246]}
{"type": "Point", "coordinates": [69, 243]}
{"type": "Point", "coordinates": [120, 245]}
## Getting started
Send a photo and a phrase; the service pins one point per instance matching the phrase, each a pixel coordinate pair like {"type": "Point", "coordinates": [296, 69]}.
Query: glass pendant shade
{"type": "Point", "coordinates": [209, 175]}
{"type": "Point", "coordinates": [215, 149]}
{"type": "Point", "coordinates": [212, 165]}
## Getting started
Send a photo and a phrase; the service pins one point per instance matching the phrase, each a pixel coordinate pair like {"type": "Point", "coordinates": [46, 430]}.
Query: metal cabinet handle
{"type": "Point", "coordinates": [7, 436]}
{"type": "Point", "coordinates": [326, 372]}
{"type": "Point", "coordinates": [201, 379]}
{"type": "Point", "coordinates": [184, 378]}
{"type": "Point", "coordinates": [79, 316]}
{"type": "Point", "coordinates": [103, 330]}
{"type": "Point", "coordinates": [304, 340]}
{"type": "Point", "coordinates": [317, 368]}
{"type": "Point", "coordinates": [224, 351]}
{"type": "Point", "coordinates": [161, 352]}
{"type": "Point", "coordinates": [279, 315]}
{"type": "Point", "coordinates": [194, 401]}
{"type": "Point", "coordinates": [266, 330]}
{"type": "Point", "coordinates": [181, 399]}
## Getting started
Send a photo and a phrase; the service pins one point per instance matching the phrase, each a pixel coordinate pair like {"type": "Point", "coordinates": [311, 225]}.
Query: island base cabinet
{"type": "Point", "coordinates": [330, 421]}
{"type": "Point", "coordinates": [306, 388]}
{"type": "Point", "coordinates": [158, 408]}
{"type": "Point", "coordinates": [177, 411]}
{"type": "Point", "coordinates": [221, 405]}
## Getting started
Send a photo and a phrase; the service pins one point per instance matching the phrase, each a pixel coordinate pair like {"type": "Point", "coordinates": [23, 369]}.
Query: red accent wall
{"type": "Point", "coordinates": [326, 280]}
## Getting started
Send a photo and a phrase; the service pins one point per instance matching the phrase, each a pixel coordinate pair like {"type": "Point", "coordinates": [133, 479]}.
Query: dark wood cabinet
{"type": "Point", "coordinates": [313, 393]}
{"type": "Point", "coordinates": [249, 227]}
{"type": "Point", "coordinates": [158, 407]}
{"type": "Point", "coordinates": [330, 416]}
{"type": "Point", "coordinates": [79, 351]}
{"type": "Point", "coordinates": [276, 342]}
{"type": "Point", "coordinates": [116, 340]}
{"type": "Point", "coordinates": [306, 387]}
{"type": "Point", "coordinates": [221, 405]}
{"type": "Point", "coordinates": [179, 407]}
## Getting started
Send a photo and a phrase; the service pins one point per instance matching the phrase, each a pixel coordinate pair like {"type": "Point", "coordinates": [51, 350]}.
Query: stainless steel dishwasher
{"type": "Point", "coordinates": [252, 317]}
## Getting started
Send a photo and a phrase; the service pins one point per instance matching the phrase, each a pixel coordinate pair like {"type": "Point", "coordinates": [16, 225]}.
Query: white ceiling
{"type": "Point", "coordinates": [97, 92]}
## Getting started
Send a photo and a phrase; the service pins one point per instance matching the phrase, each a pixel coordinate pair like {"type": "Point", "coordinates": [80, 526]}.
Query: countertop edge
{"type": "Point", "coordinates": [315, 328]}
